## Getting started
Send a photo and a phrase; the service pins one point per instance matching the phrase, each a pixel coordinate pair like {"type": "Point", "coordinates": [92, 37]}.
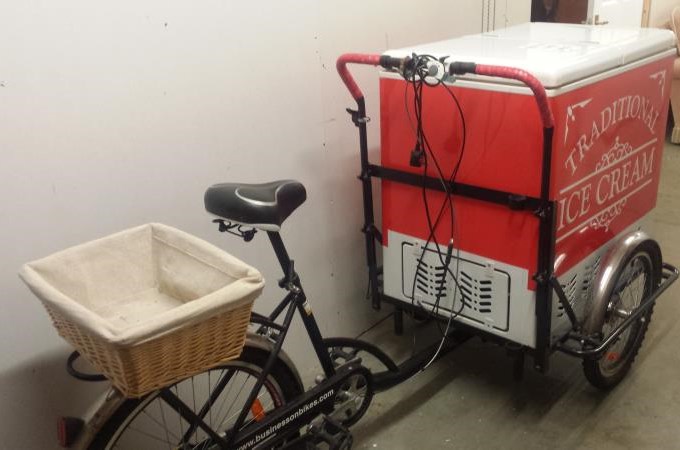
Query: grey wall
{"type": "Point", "coordinates": [120, 113]}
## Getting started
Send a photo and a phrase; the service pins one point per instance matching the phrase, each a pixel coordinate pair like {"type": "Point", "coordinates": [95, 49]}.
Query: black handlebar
{"type": "Point", "coordinates": [390, 62]}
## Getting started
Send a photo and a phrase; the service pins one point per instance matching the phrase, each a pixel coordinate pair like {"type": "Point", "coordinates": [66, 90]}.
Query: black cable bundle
{"type": "Point", "coordinates": [426, 70]}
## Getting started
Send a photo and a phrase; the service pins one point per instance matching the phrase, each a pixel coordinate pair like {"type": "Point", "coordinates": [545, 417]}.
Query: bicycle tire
{"type": "Point", "coordinates": [610, 369]}
{"type": "Point", "coordinates": [281, 387]}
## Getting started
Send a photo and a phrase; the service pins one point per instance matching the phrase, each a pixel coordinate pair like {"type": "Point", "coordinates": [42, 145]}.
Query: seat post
{"type": "Point", "coordinates": [281, 253]}
{"type": "Point", "coordinates": [291, 281]}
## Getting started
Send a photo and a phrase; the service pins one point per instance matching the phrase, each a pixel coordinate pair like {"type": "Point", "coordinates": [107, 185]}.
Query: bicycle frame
{"type": "Point", "coordinates": [314, 402]}
{"type": "Point", "coordinates": [317, 401]}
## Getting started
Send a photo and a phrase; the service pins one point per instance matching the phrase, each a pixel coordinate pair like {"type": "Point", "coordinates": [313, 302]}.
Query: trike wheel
{"type": "Point", "coordinates": [634, 283]}
{"type": "Point", "coordinates": [149, 423]}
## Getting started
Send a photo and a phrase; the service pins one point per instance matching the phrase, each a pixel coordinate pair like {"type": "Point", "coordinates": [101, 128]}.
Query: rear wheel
{"type": "Point", "coordinates": [636, 279]}
{"type": "Point", "coordinates": [150, 423]}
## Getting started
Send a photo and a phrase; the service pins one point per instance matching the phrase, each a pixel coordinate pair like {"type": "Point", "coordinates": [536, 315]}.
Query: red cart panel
{"type": "Point", "coordinates": [608, 91]}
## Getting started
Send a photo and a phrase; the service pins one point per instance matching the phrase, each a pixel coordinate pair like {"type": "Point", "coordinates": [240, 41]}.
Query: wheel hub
{"type": "Point", "coordinates": [352, 400]}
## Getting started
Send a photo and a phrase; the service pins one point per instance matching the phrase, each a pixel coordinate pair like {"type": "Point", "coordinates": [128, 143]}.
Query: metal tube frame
{"type": "Point", "coordinates": [543, 208]}
{"type": "Point", "coordinates": [594, 349]}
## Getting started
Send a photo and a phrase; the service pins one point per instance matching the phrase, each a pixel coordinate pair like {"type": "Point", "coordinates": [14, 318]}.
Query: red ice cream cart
{"type": "Point", "coordinates": [517, 167]}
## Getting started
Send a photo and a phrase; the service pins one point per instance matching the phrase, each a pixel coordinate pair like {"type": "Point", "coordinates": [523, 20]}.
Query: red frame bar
{"type": "Point", "coordinates": [525, 77]}
{"type": "Point", "coordinates": [347, 78]}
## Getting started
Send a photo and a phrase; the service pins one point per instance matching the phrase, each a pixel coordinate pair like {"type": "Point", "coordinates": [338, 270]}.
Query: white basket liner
{"type": "Point", "coordinates": [177, 279]}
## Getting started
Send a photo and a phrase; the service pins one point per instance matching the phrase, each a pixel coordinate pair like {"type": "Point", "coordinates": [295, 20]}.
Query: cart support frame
{"type": "Point", "coordinates": [543, 207]}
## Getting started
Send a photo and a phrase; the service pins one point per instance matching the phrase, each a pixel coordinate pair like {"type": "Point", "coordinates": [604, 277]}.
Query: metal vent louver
{"type": "Point", "coordinates": [589, 275]}
{"type": "Point", "coordinates": [476, 294]}
{"type": "Point", "coordinates": [431, 280]}
{"type": "Point", "coordinates": [569, 289]}
{"type": "Point", "coordinates": [481, 292]}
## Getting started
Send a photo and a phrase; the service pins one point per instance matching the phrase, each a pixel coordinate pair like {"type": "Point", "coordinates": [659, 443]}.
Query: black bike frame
{"type": "Point", "coordinates": [294, 301]}
{"type": "Point", "coordinates": [321, 396]}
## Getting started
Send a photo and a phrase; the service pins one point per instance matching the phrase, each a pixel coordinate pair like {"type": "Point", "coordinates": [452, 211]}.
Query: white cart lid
{"type": "Point", "coordinates": [557, 54]}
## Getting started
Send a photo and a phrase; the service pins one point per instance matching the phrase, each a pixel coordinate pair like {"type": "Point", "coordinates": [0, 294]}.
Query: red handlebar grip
{"type": "Point", "coordinates": [347, 78]}
{"type": "Point", "coordinates": [526, 78]}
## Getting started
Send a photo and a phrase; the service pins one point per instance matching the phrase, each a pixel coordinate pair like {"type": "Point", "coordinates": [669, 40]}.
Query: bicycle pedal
{"type": "Point", "coordinates": [331, 432]}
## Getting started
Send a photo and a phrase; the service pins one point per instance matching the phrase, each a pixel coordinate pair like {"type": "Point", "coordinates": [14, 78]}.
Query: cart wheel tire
{"type": "Point", "coordinates": [636, 278]}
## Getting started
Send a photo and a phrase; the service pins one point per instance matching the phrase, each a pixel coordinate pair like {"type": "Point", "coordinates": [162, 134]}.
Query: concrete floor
{"type": "Point", "coordinates": [468, 400]}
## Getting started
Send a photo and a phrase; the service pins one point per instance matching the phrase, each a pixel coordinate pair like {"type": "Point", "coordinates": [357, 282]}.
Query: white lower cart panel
{"type": "Point", "coordinates": [489, 295]}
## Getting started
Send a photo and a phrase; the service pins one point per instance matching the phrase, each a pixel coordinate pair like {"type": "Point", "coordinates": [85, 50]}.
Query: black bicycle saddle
{"type": "Point", "coordinates": [263, 206]}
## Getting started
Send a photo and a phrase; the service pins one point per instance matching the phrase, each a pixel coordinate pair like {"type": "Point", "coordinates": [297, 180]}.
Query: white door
{"type": "Point", "coordinates": [618, 13]}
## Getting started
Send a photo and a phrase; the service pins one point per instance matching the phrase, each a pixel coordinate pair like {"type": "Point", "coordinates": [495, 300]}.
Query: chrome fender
{"type": "Point", "coordinates": [620, 250]}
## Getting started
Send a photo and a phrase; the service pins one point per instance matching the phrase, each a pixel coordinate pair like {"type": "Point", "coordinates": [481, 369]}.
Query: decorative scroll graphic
{"type": "Point", "coordinates": [616, 153]}
{"type": "Point", "coordinates": [570, 116]}
{"type": "Point", "coordinates": [608, 215]}
{"type": "Point", "coordinates": [598, 198]}
{"type": "Point", "coordinates": [661, 79]}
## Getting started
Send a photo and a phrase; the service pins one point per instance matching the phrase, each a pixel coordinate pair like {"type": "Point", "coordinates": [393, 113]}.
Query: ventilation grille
{"type": "Point", "coordinates": [481, 292]}
{"type": "Point", "coordinates": [476, 294]}
{"type": "Point", "coordinates": [431, 280]}
{"type": "Point", "coordinates": [569, 289]}
{"type": "Point", "coordinates": [589, 275]}
{"type": "Point", "coordinates": [578, 288]}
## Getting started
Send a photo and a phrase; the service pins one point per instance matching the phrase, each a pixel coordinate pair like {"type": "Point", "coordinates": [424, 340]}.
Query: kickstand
{"type": "Point", "coordinates": [517, 355]}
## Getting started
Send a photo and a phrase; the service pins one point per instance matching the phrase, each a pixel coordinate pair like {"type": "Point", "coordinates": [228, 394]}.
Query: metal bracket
{"type": "Point", "coordinates": [357, 119]}
{"type": "Point", "coordinates": [541, 277]}
{"type": "Point", "coordinates": [290, 280]}
{"type": "Point", "coordinates": [372, 230]}
{"type": "Point", "coordinates": [236, 229]}
{"type": "Point", "coordinates": [543, 211]}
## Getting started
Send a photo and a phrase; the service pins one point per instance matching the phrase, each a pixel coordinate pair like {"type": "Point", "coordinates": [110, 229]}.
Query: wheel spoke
{"type": "Point", "coordinates": [237, 396]}
{"type": "Point", "coordinates": [631, 288]}
{"type": "Point", "coordinates": [156, 438]}
{"type": "Point", "coordinates": [165, 425]}
{"type": "Point", "coordinates": [147, 426]}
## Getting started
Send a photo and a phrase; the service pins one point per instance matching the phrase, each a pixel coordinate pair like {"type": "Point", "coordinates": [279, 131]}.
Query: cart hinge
{"type": "Point", "coordinates": [373, 231]}
{"type": "Point", "coordinates": [358, 119]}
{"type": "Point", "coordinates": [544, 210]}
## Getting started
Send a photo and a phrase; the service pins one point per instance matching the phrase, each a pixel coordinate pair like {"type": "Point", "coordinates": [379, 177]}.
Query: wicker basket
{"type": "Point", "coordinates": [202, 325]}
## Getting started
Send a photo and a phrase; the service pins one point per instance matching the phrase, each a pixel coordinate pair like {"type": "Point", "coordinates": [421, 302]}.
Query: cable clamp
{"type": "Point", "coordinates": [356, 118]}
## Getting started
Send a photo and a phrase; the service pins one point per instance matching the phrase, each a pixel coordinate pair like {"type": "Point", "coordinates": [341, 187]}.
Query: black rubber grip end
{"type": "Point", "coordinates": [389, 62]}
{"type": "Point", "coordinates": [460, 68]}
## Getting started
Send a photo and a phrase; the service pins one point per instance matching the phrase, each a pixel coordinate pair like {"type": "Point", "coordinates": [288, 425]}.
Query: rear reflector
{"type": "Point", "coordinates": [68, 429]}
